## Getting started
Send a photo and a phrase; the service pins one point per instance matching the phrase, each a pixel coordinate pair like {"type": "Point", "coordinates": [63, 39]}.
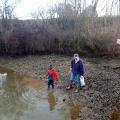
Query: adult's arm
{"type": "Point", "coordinates": [72, 63]}
{"type": "Point", "coordinates": [81, 68]}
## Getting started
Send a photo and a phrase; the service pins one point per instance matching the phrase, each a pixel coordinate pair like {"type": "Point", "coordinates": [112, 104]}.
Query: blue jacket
{"type": "Point", "coordinates": [77, 68]}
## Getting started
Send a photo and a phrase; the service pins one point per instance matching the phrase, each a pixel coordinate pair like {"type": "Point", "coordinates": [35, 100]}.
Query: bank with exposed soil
{"type": "Point", "coordinates": [102, 76]}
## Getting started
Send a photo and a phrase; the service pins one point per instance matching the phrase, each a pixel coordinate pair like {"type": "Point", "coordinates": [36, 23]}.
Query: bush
{"type": "Point", "coordinates": [36, 37]}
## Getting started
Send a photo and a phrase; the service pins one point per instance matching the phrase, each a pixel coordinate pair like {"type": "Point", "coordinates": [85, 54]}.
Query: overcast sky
{"type": "Point", "coordinates": [24, 9]}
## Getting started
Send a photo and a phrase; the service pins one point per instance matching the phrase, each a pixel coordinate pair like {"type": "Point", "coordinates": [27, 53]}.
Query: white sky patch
{"type": "Point", "coordinates": [26, 7]}
{"type": "Point", "coordinates": [107, 7]}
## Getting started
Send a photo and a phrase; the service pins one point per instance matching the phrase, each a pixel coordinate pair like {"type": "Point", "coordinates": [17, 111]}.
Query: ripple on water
{"type": "Point", "coordinates": [32, 96]}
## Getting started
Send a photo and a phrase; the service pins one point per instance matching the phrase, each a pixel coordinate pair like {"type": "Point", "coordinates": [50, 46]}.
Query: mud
{"type": "Point", "coordinates": [97, 100]}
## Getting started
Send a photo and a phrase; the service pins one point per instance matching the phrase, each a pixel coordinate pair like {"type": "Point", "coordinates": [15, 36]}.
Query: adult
{"type": "Point", "coordinates": [76, 71]}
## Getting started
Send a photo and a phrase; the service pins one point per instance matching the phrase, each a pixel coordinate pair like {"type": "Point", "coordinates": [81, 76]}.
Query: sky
{"type": "Point", "coordinates": [26, 7]}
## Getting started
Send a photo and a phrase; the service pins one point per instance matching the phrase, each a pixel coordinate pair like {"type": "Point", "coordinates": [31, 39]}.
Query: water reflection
{"type": "Point", "coordinates": [116, 113]}
{"type": "Point", "coordinates": [73, 110]}
{"type": "Point", "coordinates": [10, 105]}
{"type": "Point", "coordinates": [25, 98]}
{"type": "Point", "coordinates": [51, 100]}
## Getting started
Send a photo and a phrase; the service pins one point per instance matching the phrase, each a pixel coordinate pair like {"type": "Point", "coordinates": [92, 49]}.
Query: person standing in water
{"type": "Point", "coordinates": [76, 70]}
{"type": "Point", "coordinates": [52, 76]}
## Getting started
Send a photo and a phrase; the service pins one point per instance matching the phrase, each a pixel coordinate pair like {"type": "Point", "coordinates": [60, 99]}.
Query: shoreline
{"type": "Point", "coordinates": [97, 100]}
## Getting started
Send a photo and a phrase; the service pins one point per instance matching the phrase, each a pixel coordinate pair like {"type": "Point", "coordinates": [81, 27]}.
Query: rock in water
{"type": "Point", "coordinates": [3, 76]}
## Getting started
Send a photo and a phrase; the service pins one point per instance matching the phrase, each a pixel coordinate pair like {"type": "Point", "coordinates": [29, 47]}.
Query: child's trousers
{"type": "Point", "coordinates": [51, 82]}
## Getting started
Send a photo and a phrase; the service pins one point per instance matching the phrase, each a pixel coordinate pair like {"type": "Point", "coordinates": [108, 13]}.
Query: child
{"type": "Point", "coordinates": [52, 75]}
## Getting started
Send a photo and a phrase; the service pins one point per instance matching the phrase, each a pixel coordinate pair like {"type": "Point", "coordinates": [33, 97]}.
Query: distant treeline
{"type": "Point", "coordinates": [62, 29]}
{"type": "Point", "coordinates": [89, 36]}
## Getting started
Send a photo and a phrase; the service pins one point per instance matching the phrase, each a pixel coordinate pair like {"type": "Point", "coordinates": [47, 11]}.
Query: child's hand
{"type": "Point", "coordinates": [45, 75]}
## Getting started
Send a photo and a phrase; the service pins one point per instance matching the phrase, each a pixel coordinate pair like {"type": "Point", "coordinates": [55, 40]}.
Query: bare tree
{"type": "Point", "coordinates": [7, 8]}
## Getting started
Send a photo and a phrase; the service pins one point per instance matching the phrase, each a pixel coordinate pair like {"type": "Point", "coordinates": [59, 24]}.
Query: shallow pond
{"type": "Point", "coordinates": [25, 98]}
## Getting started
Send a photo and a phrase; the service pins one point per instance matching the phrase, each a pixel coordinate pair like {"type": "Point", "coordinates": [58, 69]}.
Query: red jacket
{"type": "Point", "coordinates": [54, 74]}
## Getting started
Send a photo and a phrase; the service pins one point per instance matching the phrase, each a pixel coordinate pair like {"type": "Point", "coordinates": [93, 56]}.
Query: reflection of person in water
{"type": "Point", "coordinates": [74, 110]}
{"type": "Point", "coordinates": [51, 100]}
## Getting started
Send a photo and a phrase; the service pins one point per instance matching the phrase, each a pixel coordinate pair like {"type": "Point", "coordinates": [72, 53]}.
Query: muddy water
{"type": "Point", "coordinates": [116, 114]}
{"type": "Point", "coordinates": [25, 98]}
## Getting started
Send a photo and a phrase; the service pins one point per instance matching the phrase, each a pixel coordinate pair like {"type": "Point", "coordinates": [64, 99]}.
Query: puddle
{"type": "Point", "coordinates": [116, 114]}
{"type": "Point", "coordinates": [25, 98]}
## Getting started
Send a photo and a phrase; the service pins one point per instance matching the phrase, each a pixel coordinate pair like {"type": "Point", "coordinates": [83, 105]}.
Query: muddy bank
{"type": "Point", "coordinates": [102, 76]}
